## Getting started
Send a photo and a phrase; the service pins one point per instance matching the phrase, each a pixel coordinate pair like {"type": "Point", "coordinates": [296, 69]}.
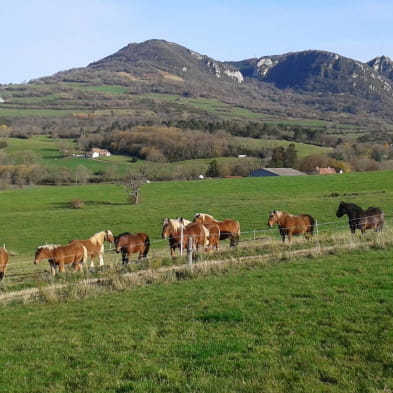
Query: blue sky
{"type": "Point", "coordinates": [41, 37]}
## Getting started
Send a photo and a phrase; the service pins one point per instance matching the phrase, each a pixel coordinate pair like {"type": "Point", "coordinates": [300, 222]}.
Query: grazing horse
{"type": "Point", "coordinates": [95, 245]}
{"type": "Point", "coordinates": [228, 228]}
{"type": "Point", "coordinates": [289, 224]}
{"type": "Point", "coordinates": [3, 262]}
{"type": "Point", "coordinates": [128, 243]}
{"type": "Point", "coordinates": [214, 236]}
{"type": "Point", "coordinates": [57, 255]}
{"type": "Point", "coordinates": [371, 218]}
{"type": "Point", "coordinates": [172, 230]}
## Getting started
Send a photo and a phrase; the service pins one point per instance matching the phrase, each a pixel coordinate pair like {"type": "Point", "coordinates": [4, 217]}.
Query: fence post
{"type": "Point", "coordinates": [316, 226]}
{"type": "Point", "coordinates": [189, 251]}
{"type": "Point", "coordinates": [181, 241]}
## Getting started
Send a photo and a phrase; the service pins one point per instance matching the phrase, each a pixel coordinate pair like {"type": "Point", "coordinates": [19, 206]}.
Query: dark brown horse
{"type": "Point", "coordinates": [128, 243]}
{"type": "Point", "coordinates": [229, 229]}
{"type": "Point", "coordinates": [371, 218]}
{"type": "Point", "coordinates": [289, 224]}
{"type": "Point", "coordinates": [3, 262]}
{"type": "Point", "coordinates": [175, 230]}
{"type": "Point", "coordinates": [59, 256]}
{"type": "Point", "coordinates": [95, 245]}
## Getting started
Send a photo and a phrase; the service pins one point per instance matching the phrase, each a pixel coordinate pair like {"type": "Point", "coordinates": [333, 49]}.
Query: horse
{"type": "Point", "coordinates": [95, 245]}
{"type": "Point", "coordinates": [214, 236]}
{"type": "Point", "coordinates": [3, 262]}
{"type": "Point", "coordinates": [57, 255]}
{"type": "Point", "coordinates": [371, 218]}
{"type": "Point", "coordinates": [172, 230]}
{"type": "Point", "coordinates": [229, 229]}
{"type": "Point", "coordinates": [289, 224]}
{"type": "Point", "coordinates": [128, 243]}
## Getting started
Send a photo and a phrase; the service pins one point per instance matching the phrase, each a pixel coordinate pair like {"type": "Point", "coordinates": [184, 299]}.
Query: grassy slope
{"type": "Point", "coordinates": [46, 150]}
{"type": "Point", "coordinates": [308, 325]}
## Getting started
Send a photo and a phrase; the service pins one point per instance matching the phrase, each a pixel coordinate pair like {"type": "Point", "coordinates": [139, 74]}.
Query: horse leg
{"type": "Point", "coordinates": [101, 256]}
{"type": "Point", "coordinates": [124, 257]}
{"type": "Point", "coordinates": [52, 268]}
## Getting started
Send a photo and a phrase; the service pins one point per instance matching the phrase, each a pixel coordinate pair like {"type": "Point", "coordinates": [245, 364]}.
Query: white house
{"type": "Point", "coordinates": [95, 152]}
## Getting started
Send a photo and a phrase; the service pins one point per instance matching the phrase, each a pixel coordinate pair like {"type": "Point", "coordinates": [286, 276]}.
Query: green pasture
{"type": "Point", "coordinates": [319, 325]}
{"type": "Point", "coordinates": [43, 214]}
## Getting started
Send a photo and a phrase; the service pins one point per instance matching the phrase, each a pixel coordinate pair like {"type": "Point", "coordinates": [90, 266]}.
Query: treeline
{"type": "Point", "coordinates": [170, 144]}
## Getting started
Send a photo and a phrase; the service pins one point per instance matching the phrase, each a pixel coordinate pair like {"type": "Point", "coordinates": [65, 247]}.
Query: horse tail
{"type": "Point", "coordinates": [84, 259]}
{"type": "Point", "coordinates": [147, 246]}
{"type": "Point", "coordinates": [312, 224]}
{"type": "Point", "coordinates": [207, 233]}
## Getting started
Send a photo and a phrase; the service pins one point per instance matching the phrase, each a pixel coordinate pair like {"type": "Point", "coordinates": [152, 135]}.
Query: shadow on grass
{"type": "Point", "coordinates": [67, 205]}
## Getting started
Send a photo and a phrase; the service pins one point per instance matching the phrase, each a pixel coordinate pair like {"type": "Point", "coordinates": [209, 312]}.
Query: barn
{"type": "Point", "coordinates": [266, 172]}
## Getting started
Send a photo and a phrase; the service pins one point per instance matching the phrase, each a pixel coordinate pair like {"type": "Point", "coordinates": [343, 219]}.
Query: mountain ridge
{"type": "Point", "coordinates": [310, 81]}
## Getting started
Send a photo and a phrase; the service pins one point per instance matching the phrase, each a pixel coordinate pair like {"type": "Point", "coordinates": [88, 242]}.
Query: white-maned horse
{"type": "Point", "coordinates": [95, 245]}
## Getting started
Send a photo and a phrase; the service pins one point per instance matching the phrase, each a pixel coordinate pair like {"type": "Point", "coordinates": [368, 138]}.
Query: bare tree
{"type": "Point", "coordinates": [132, 183]}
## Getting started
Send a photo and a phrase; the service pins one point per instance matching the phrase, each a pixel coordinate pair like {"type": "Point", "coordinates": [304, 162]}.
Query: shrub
{"type": "Point", "coordinates": [77, 204]}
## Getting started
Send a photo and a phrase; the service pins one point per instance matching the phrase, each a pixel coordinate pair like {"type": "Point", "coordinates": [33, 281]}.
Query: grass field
{"type": "Point", "coordinates": [34, 213]}
{"type": "Point", "coordinates": [317, 323]}
{"type": "Point", "coordinates": [305, 325]}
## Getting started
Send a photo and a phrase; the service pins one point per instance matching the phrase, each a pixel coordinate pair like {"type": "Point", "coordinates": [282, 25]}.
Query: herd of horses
{"type": "Point", "coordinates": [203, 233]}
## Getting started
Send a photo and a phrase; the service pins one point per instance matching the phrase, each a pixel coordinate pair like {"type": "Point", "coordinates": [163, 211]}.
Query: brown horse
{"type": "Point", "coordinates": [3, 262]}
{"type": "Point", "coordinates": [95, 245]}
{"type": "Point", "coordinates": [289, 224]}
{"type": "Point", "coordinates": [73, 253]}
{"type": "Point", "coordinates": [229, 229]}
{"type": "Point", "coordinates": [128, 243]}
{"type": "Point", "coordinates": [172, 230]}
{"type": "Point", "coordinates": [371, 218]}
{"type": "Point", "coordinates": [214, 236]}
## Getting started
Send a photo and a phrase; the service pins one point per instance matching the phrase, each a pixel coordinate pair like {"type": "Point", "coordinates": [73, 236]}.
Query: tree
{"type": "Point", "coordinates": [212, 170]}
{"type": "Point", "coordinates": [290, 159]}
{"type": "Point", "coordinates": [132, 183]}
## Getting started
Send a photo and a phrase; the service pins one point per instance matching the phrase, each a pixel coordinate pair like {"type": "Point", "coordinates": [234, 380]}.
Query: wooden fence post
{"type": "Point", "coordinates": [189, 251]}
{"type": "Point", "coordinates": [181, 241]}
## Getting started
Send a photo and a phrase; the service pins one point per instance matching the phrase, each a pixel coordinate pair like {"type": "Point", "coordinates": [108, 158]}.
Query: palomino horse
{"type": "Point", "coordinates": [289, 224]}
{"type": "Point", "coordinates": [57, 255]}
{"type": "Point", "coordinates": [128, 243]}
{"type": "Point", "coordinates": [172, 230]}
{"type": "Point", "coordinates": [372, 218]}
{"type": "Point", "coordinates": [3, 262]}
{"type": "Point", "coordinates": [95, 245]}
{"type": "Point", "coordinates": [228, 228]}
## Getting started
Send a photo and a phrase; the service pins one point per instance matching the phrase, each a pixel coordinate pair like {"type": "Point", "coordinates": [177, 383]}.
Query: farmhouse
{"type": "Point", "coordinates": [95, 152]}
{"type": "Point", "coordinates": [265, 172]}
{"type": "Point", "coordinates": [325, 171]}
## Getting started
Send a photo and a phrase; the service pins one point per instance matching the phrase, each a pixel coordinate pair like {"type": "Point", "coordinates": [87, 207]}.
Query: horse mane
{"type": "Point", "coordinates": [123, 234]}
{"type": "Point", "coordinates": [278, 213]}
{"type": "Point", "coordinates": [203, 215]}
{"type": "Point", "coordinates": [48, 246]}
{"type": "Point", "coordinates": [183, 221]}
{"type": "Point", "coordinates": [98, 238]}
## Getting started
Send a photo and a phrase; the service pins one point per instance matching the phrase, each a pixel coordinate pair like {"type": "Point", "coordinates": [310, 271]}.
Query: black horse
{"type": "Point", "coordinates": [372, 218]}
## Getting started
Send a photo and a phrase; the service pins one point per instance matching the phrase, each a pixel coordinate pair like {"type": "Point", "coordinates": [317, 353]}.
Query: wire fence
{"type": "Point", "coordinates": [23, 269]}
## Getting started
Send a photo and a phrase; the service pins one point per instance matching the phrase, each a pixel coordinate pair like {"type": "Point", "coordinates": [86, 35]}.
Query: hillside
{"type": "Point", "coordinates": [308, 84]}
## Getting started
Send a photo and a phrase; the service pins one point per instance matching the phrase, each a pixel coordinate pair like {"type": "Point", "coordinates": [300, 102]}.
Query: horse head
{"type": "Point", "coordinates": [44, 252]}
{"type": "Point", "coordinates": [109, 236]}
{"type": "Point", "coordinates": [273, 218]}
{"type": "Point", "coordinates": [165, 229]}
{"type": "Point", "coordinates": [341, 209]}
